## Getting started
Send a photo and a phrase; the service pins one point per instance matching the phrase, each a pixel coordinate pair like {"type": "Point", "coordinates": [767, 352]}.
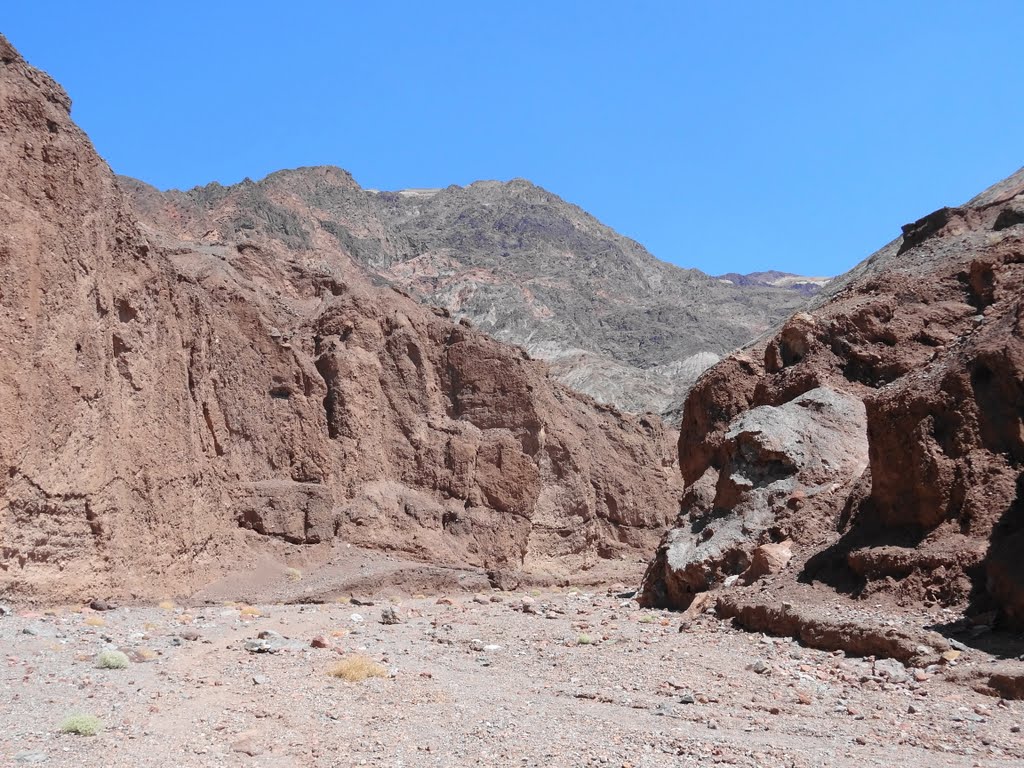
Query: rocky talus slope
{"type": "Point", "coordinates": [877, 437]}
{"type": "Point", "coordinates": [171, 410]}
{"type": "Point", "coordinates": [519, 262]}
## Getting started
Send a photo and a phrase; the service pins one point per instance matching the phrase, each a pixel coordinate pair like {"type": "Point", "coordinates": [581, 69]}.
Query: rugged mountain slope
{"type": "Point", "coordinates": [520, 263]}
{"type": "Point", "coordinates": [168, 409]}
{"type": "Point", "coordinates": [928, 504]}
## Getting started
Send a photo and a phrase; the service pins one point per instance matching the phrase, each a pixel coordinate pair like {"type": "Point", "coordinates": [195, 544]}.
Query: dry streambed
{"type": "Point", "coordinates": [551, 679]}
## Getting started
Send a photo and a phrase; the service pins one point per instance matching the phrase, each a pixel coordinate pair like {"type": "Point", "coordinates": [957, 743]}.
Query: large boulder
{"type": "Point", "coordinates": [781, 469]}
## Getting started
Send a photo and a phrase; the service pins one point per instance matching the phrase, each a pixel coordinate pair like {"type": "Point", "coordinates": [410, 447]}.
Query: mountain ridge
{"type": "Point", "coordinates": [808, 286]}
{"type": "Point", "coordinates": [518, 261]}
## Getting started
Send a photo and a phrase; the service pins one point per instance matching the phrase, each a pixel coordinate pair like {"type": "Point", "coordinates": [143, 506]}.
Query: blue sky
{"type": "Point", "coordinates": [726, 136]}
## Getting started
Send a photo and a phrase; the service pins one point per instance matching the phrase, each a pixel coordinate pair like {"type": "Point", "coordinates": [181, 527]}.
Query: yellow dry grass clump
{"type": "Point", "coordinates": [356, 668]}
{"type": "Point", "coordinates": [248, 610]}
{"type": "Point", "coordinates": [293, 574]}
{"type": "Point", "coordinates": [94, 621]}
{"type": "Point", "coordinates": [167, 605]}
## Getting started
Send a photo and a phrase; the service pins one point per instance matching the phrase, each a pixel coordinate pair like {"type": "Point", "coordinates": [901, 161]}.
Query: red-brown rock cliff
{"type": "Point", "coordinates": [166, 407]}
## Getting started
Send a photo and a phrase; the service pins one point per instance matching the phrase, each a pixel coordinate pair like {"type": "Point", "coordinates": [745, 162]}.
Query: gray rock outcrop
{"type": "Point", "coordinates": [776, 464]}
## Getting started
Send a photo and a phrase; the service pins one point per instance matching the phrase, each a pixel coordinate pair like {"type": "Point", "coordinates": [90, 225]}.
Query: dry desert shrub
{"type": "Point", "coordinates": [293, 574]}
{"type": "Point", "coordinates": [143, 655]}
{"type": "Point", "coordinates": [94, 621]}
{"type": "Point", "coordinates": [356, 668]}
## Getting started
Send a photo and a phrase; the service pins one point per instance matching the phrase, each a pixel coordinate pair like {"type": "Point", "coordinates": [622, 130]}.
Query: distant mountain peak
{"type": "Point", "coordinates": [806, 286]}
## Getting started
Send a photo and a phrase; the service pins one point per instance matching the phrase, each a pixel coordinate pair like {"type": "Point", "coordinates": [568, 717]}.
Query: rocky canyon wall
{"type": "Point", "coordinates": [165, 407]}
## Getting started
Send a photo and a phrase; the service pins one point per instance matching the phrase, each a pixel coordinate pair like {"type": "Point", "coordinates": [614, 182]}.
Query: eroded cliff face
{"type": "Point", "coordinates": [928, 334]}
{"type": "Point", "coordinates": [93, 341]}
{"type": "Point", "coordinates": [168, 408]}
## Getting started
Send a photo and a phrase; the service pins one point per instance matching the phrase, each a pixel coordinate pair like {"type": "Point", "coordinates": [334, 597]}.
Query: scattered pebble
{"type": "Point", "coordinates": [644, 696]}
{"type": "Point", "coordinates": [247, 747]}
{"type": "Point", "coordinates": [31, 757]}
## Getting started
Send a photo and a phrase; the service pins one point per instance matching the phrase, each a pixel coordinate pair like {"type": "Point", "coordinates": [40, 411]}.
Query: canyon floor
{"type": "Point", "coordinates": [559, 677]}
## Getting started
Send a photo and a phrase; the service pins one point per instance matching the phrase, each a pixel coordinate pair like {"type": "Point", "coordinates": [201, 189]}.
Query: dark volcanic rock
{"type": "Point", "coordinates": [928, 333]}
{"type": "Point", "coordinates": [517, 261]}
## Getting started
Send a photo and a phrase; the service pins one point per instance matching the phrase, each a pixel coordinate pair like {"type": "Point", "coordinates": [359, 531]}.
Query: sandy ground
{"type": "Point", "coordinates": [576, 679]}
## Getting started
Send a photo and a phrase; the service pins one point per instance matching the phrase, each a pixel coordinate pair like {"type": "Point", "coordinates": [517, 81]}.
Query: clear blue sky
{"type": "Point", "coordinates": [726, 136]}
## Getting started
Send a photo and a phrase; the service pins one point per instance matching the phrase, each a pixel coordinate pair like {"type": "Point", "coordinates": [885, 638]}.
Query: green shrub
{"type": "Point", "coordinates": [81, 725]}
{"type": "Point", "coordinates": [112, 660]}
